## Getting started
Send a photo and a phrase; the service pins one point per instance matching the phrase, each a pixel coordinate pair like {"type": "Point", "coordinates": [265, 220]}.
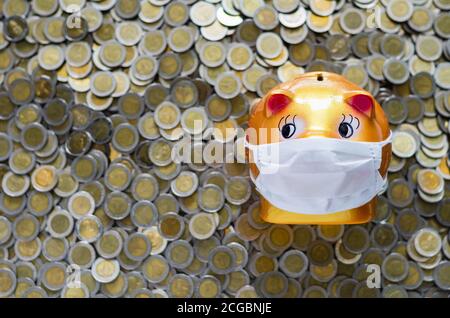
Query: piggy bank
{"type": "Point", "coordinates": [333, 144]}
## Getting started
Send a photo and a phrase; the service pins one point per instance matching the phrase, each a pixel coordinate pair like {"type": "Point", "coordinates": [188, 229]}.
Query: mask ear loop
{"type": "Point", "coordinates": [384, 183]}
{"type": "Point", "coordinates": [388, 140]}
{"type": "Point", "coordinates": [249, 145]}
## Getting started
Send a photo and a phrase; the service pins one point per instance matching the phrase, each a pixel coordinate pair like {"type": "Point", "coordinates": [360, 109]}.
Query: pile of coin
{"type": "Point", "coordinates": [97, 95]}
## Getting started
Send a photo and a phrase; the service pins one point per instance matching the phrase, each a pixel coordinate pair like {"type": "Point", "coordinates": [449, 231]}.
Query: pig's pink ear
{"type": "Point", "coordinates": [277, 101]}
{"type": "Point", "coordinates": [362, 103]}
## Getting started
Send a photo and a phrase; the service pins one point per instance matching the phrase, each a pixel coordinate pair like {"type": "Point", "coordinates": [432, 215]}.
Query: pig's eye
{"type": "Point", "coordinates": [289, 126]}
{"type": "Point", "coordinates": [288, 130]}
{"type": "Point", "coordinates": [345, 130]}
{"type": "Point", "coordinates": [348, 126]}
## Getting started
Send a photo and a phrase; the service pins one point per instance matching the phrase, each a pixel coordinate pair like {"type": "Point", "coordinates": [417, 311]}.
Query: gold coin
{"type": "Point", "coordinates": [180, 286]}
{"type": "Point", "coordinates": [44, 178]}
{"type": "Point", "coordinates": [400, 193]}
{"type": "Point", "coordinates": [60, 224]}
{"type": "Point", "coordinates": [109, 244]}
{"type": "Point", "coordinates": [21, 91]}
{"type": "Point", "coordinates": [89, 228]}
{"type": "Point", "coordinates": [137, 246]}
{"type": "Point", "coordinates": [430, 181]}
{"type": "Point", "coordinates": [9, 282]}
{"type": "Point", "coordinates": [21, 161]}
{"type": "Point", "coordinates": [208, 287]}
{"type": "Point", "coordinates": [81, 204]}
{"type": "Point", "coordinates": [55, 249]}
{"type": "Point", "coordinates": [117, 205]}
{"type": "Point", "coordinates": [105, 271]}
{"type": "Point", "coordinates": [171, 226]}
{"type": "Point", "coordinates": [76, 291]}
{"type": "Point", "coordinates": [53, 275]}
{"type": "Point", "coordinates": [279, 237]}
{"type": "Point", "coordinates": [237, 190]}
{"type": "Point", "coordinates": [103, 84]}
{"type": "Point", "coordinates": [395, 267]}
{"type": "Point", "coordinates": [117, 177]}
{"type": "Point", "coordinates": [202, 226]}
{"type": "Point", "coordinates": [155, 269]}
{"type": "Point", "coordinates": [273, 284]}
{"type": "Point", "coordinates": [28, 250]}
{"type": "Point", "coordinates": [26, 227]}
{"type": "Point", "coordinates": [179, 254]}
{"type": "Point", "coordinates": [222, 260]}
{"type": "Point", "coordinates": [112, 53]}
{"type": "Point", "coordinates": [269, 45]}
{"type": "Point", "coordinates": [427, 242]}
{"type": "Point", "coordinates": [167, 115]}
{"type": "Point", "coordinates": [125, 138]}
{"type": "Point", "coordinates": [66, 185]}
{"type": "Point", "coordinates": [170, 66]}
{"type": "Point", "coordinates": [320, 253]}
{"type": "Point", "coordinates": [15, 185]}
{"type": "Point", "coordinates": [294, 263]}
{"type": "Point", "coordinates": [331, 232]}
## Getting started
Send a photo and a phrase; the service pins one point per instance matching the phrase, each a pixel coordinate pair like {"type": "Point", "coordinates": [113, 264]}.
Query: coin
{"type": "Point", "coordinates": [8, 282]}
{"type": "Point", "coordinates": [228, 85]}
{"type": "Point", "coordinates": [109, 244]}
{"type": "Point", "coordinates": [137, 246]}
{"type": "Point", "coordinates": [440, 275]}
{"type": "Point", "coordinates": [155, 268]}
{"type": "Point", "coordinates": [125, 138]}
{"type": "Point", "coordinates": [15, 185]}
{"type": "Point", "coordinates": [430, 181]}
{"type": "Point", "coordinates": [117, 205]}
{"type": "Point", "coordinates": [28, 250]}
{"type": "Point", "coordinates": [427, 242]}
{"type": "Point", "coordinates": [211, 198]}
{"type": "Point", "coordinates": [44, 178]}
{"type": "Point", "coordinates": [5, 229]}
{"type": "Point", "coordinates": [395, 267]}
{"type": "Point", "coordinates": [351, 21]}
{"type": "Point", "coordinates": [320, 252]}
{"type": "Point", "coordinates": [89, 228]}
{"type": "Point", "coordinates": [400, 193]}
{"type": "Point", "coordinates": [171, 226]}
{"type": "Point", "coordinates": [440, 75]}
{"type": "Point", "coordinates": [222, 260]}
{"type": "Point", "coordinates": [180, 286]}
{"type": "Point", "coordinates": [179, 254]}
{"type": "Point", "coordinates": [33, 137]}
{"type": "Point", "coordinates": [103, 84]}
{"type": "Point", "coordinates": [422, 84]}
{"type": "Point", "coordinates": [315, 292]}
{"type": "Point", "coordinates": [403, 144]}
{"type": "Point", "coordinates": [269, 45]}
{"type": "Point", "coordinates": [294, 263]}
{"type": "Point", "coordinates": [384, 236]}
{"type": "Point", "coordinates": [399, 10]}
{"type": "Point", "coordinates": [395, 71]}
{"type": "Point", "coordinates": [26, 227]}
{"type": "Point", "coordinates": [105, 271]}
{"type": "Point", "coordinates": [428, 48]}
{"type": "Point", "coordinates": [81, 204]}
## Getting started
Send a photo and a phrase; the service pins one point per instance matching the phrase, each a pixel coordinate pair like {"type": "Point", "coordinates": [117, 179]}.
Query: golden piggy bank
{"type": "Point", "coordinates": [324, 146]}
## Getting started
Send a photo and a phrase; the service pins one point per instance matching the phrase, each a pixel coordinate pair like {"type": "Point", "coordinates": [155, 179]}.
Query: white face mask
{"type": "Point", "coordinates": [318, 175]}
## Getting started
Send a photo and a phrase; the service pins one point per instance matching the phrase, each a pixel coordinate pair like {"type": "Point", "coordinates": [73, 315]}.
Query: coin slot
{"type": "Point", "coordinates": [320, 77]}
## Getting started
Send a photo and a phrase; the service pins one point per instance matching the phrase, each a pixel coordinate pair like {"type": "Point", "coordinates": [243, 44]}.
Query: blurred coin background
{"type": "Point", "coordinates": [95, 95]}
